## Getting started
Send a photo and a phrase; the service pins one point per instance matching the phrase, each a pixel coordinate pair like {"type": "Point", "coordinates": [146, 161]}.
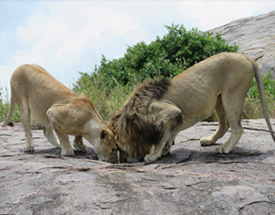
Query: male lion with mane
{"type": "Point", "coordinates": [58, 110]}
{"type": "Point", "coordinates": [147, 123]}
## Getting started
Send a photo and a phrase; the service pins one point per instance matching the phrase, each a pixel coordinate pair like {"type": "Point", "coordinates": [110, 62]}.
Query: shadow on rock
{"type": "Point", "coordinates": [56, 153]}
{"type": "Point", "coordinates": [238, 155]}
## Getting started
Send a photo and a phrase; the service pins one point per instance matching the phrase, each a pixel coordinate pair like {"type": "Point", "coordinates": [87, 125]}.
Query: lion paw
{"type": "Point", "coordinates": [80, 148]}
{"type": "Point", "coordinates": [150, 158]}
{"type": "Point", "coordinates": [205, 141]}
{"type": "Point", "coordinates": [29, 149]}
{"type": "Point", "coordinates": [132, 160]}
{"type": "Point", "coordinates": [222, 150]}
{"type": "Point", "coordinates": [166, 151]}
{"type": "Point", "coordinates": [68, 152]}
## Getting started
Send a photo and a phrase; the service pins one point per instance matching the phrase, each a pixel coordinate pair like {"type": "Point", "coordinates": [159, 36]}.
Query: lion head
{"type": "Point", "coordinates": [135, 131]}
{"type": "Point", "coordinates": [106, 149]}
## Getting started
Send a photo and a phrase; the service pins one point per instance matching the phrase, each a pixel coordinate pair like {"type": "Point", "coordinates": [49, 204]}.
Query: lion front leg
{"type": "Point", "coordinates": [168, 118]}
{"type": "Point", "coordinates": [66, 148]}
{"type": "Point", "coordinates": [168, 146]}
{"type": "Point", "coordinates": [166, 149]}
{"type": "Point", "coordinates": [162, 148]}
{"type": "Point", "coordinates": [49, 134]}
{"type": "Point", "coordinates": [54, 114]}
{"type": "Point", "coordinates": [155, 152]}
{"type": "Point", "coordinates": [79, 145]}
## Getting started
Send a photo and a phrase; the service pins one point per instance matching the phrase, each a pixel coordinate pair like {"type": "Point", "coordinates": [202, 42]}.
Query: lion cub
{"type": "Point", "coordinates": [60, 111]}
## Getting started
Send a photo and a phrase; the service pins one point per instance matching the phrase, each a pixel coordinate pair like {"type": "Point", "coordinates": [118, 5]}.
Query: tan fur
{"type": "Point", "coordinates": [60, 111]}
{"type": "Point", "coordinates": [219, 83]}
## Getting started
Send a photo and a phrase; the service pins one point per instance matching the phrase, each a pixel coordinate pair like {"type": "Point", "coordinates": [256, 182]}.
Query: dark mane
{"type": "Point", "coordinates": [134, 129]}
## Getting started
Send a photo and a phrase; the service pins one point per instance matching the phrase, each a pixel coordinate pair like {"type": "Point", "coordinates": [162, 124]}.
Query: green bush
{"type": "Point", "coordinates": [106, 101]}
{"type": "Point", "coordinates": [164, 57]}
{"type": "Point", "coordinates": [110, 83]}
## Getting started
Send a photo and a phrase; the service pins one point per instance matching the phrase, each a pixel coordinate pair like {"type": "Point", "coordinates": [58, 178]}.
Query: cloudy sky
{"type": "Point", "coordinates": [66, 37]}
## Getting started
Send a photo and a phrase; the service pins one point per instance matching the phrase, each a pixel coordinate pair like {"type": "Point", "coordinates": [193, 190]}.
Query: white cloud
{"type": "Point", "coordinates": [3, 36]}
{"type": "Point", "coordinates": [210, 14]}
{"type": "Point", "coordinates": [63, 33]}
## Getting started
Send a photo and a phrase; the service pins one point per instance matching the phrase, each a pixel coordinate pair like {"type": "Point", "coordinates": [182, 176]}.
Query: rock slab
{"type": "Point", "coordinates": [255, 37]}
{"type": "Point", "coordinates": [191, 180]}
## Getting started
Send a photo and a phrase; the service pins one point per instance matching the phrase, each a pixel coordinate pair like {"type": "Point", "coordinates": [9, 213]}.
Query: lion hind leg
{"type": "Point", "coordinates": [223, 125]}
{"type": "Point", "coordinates": [231, 142]}
{"type": "Point", "coordinates": [233, 104]}
{"type": "Point", "coordinates": [26, 122]}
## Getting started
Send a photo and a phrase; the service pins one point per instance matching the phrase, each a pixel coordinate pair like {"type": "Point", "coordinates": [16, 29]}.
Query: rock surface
{"type": "Point", "coordinates": [191, 180]}
{"type": "Point", "coordinates": [255, 37]}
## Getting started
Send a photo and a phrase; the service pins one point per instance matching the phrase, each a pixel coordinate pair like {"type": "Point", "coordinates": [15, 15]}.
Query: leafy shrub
{"type": "Point", "coordinates": [106, 101]}
{"type": "Point", "coordinates": [112, 81]}
{"type": "Point", "coordinates": [164, 57]}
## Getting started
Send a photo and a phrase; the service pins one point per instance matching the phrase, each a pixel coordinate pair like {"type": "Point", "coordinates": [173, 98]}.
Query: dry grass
{"type": "Point", "coordinates": [253, 109]}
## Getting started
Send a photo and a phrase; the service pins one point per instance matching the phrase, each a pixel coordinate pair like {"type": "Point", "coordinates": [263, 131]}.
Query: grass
{"type": "Point", "coordinates": [106, 101]}
{"type": "Point", "coordinates": [5, 107]}
{"type": "Point", "coordinates": [252, 108]}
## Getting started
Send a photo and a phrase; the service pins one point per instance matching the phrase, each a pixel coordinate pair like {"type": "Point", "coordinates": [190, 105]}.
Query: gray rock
{"type": "Point", "coordinates": [191, 180]}
{"type": "Point", "coordinates": [255, 37]}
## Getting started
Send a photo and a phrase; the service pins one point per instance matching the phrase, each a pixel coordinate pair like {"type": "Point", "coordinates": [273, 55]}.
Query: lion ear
{"type": "Point", "coordinates": [103, 134]}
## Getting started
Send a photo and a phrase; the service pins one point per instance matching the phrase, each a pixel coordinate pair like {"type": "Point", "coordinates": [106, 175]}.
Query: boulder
{"type": "Point", "coordinates": [255, 37]}
{"type": "Point", "coordinates": [191, 180]}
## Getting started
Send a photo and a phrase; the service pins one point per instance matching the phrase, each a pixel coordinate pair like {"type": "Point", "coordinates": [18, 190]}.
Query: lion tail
{"type": "Point", "coordinates": [259, 81]}
{"type": "Point", "coordinates": [12, 106]}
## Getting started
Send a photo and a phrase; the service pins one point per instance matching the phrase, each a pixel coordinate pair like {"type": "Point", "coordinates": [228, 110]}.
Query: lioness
{"type": "Point", "coordinates": [147, 123]}
{"type": "Point", "coordinates": [60, 110]}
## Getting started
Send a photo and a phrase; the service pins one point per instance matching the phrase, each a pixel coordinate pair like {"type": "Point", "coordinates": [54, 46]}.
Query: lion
{"type": "Point", "coordinates": [147, 123]}
{"type": "Point", "coordinates": [60, 111]}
